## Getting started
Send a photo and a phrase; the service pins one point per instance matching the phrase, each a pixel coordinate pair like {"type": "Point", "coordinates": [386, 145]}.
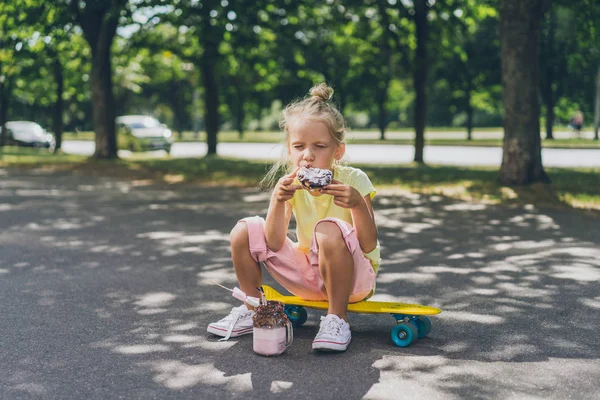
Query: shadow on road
{"type": "Point", "coordinates": [104, 291]}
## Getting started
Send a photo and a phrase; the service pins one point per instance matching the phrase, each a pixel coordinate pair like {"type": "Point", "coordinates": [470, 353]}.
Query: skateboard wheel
{"type": "Point", "coordinates": [296, 314]}
{"type": "Point", "coordinates": [404, 334]}
{"type": "Point", "coordinates": [424, 324]}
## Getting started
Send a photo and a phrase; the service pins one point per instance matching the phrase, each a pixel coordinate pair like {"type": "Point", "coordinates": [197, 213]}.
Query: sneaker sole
{"type": "Point", "coordinates": [330, 346]}
{"type": "Point", "coordinates": [223, 332]}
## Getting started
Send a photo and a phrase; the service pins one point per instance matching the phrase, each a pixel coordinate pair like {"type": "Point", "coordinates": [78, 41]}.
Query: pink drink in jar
{"type": "Point", "coordinates": [272, 332]}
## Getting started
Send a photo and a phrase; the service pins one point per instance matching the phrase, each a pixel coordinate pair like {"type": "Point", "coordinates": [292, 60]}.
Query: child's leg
{"type": "Point", "coordinates": [246, 269]}
{"type": "Point", "coordinates": [336, 266]}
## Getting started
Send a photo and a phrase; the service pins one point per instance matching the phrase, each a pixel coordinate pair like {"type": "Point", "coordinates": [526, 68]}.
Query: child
{"type": "Point", "coordinates": [337, 254]}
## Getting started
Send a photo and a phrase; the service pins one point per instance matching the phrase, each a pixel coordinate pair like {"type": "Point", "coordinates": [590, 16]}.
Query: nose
{"type": "Point", "coordinates": [308, 155]}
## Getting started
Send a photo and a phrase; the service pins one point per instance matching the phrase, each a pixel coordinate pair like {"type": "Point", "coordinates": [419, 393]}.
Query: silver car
{"type": "Point", "coordinates": [143, 133]}
{"type": "Point", "coordinates": [29, 134]}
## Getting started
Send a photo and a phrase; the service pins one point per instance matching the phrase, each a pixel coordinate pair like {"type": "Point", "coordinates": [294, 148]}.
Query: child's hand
{"type": "Point", "coordinates": [285, 189]}
{"type": "Point", "coordinates": [343, 195]}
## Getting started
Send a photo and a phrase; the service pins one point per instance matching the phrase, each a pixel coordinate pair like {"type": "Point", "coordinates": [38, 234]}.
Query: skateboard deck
{"type": "Point", "coordinates": [369, 307]}
{"type": "Point", "coordinates": [412, 321]}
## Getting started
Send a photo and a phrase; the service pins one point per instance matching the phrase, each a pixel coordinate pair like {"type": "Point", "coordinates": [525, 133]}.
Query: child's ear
{"type": "Point", "coordinates": [339, 153]}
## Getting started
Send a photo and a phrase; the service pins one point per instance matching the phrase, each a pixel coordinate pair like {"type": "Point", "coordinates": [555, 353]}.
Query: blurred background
{"type": "Point", "coordinates": [225, 65]}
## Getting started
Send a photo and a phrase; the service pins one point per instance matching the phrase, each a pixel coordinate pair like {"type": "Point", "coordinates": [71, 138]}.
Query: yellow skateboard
{"type": "Point", "coordinates": [412, 321]}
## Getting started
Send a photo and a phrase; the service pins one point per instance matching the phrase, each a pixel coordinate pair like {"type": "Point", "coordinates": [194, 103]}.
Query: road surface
{"type": "Point", "coordinates": [373, 153]}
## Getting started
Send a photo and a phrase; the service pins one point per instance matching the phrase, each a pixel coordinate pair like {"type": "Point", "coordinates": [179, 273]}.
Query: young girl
{"type": "Point", "coordinates": [337, 254]}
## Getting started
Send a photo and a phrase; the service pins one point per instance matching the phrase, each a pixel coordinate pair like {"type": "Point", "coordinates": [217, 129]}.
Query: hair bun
{"type": "Point", "coordinates": [321, 92]}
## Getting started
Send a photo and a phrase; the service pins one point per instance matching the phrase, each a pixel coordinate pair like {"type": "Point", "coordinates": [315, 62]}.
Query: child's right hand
{"type": "Point", "coordinates": [285, 188]}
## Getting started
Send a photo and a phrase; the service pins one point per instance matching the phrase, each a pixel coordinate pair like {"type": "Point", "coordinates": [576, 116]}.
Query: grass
{"type": "Point", "coordinates": [27, 157]}
{"type": "Point", "coordinates": [372, 137]}
{"type": "Point", "coordinates": [570, 188]}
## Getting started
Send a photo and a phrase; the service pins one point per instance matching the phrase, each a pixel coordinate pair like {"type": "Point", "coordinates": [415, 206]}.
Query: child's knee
{"type": "Point", "coordinates": [238, 237]}
{"type": "Point", "coordinates": [329, 236]}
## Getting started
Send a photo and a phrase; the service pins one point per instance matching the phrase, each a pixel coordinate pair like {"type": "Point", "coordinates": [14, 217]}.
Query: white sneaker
{"type": "Point", "coordinates": [334, 334]}
{"type": "Point", "coordinates": [237, 323]}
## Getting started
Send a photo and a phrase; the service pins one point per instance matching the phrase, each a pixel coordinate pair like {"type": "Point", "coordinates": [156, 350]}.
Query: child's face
{"type": "Point", "coordinates": [312, 146]}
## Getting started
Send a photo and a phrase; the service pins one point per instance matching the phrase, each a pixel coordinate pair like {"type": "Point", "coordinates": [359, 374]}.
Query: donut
{"type": "Point", "coordinates": [314, 178]}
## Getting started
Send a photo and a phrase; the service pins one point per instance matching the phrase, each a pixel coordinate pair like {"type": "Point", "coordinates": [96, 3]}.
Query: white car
{"type": "Point", "coordinates": [143, 133]}
{"type": "Point", "coordinates": [27, 133]}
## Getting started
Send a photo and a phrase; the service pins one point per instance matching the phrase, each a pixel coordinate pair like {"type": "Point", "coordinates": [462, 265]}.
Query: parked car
{"type": "Point", "coordinates": [27, 133]}
{"type": "Point", "coordinates": [143, 133]}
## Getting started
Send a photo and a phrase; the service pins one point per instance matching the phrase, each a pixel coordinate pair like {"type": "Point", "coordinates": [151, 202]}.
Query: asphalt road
{"type": "Point", "coordinates": [104, 293]}
{"type": "Point", "coordinates": [378, 154]}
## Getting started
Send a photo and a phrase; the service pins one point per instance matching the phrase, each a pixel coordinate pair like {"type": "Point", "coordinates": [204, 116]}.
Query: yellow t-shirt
{"type": "Point", "coordinates": [309, 209]}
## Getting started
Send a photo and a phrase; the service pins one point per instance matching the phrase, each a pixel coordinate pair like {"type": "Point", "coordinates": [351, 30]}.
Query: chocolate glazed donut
{"type": "Point", "coordinates": [314, 178]}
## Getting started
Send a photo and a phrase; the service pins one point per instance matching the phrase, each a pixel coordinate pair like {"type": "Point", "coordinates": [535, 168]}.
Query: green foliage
{"type": "Point", "coordinates": [274, 51]}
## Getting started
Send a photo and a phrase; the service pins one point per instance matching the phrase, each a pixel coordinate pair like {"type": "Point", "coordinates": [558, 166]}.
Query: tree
{"type": "Point", "coordinates": [421, 65]}
{"type": "Point", "coordinates": [14, 39]}
{"type": "Point", "coordinates": [62, 49]}
{"type": "Point", "coordinates": [549, 65]}
{"type": "Point", "coordinates": [520, 30]}
{"type": "Point", "coordinates": [99, 20]}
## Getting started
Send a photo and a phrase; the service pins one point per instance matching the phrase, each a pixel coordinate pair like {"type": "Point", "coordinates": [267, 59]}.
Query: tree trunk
{"type": "Point", "coordinates": [520, 29]}
{"type": "Point", "coordinates": [99, 25]}
{"type": "Point", "coordinates": [382, 118]}
{"type": "Point", "coordinates": [3, 110]}
{"type": "Point", "coordinates": [209, 40]}
{"type": "Point", "coordinates": [103, 106]}
{"type": "Point", "coordinates": [420, 78]}
{"type": "Point", "coordinates": [57, 119]}
{"type": "Point", "coordinates": [211, 104]}
{"type": "Point", "coordinates": [196, 112]}
{"type": "Point", "coordinates": [469, 117]}
{"type": "Point", "coordinates": [597, 105]}
{"type": "Point", "coordinates": [382, 93]}
{"type": "Point", "coordinates": [548, 81]}
{"type": "Point", "coordinates": [238, 107]}
{"type": "Point", "coordinates": [176, 99]}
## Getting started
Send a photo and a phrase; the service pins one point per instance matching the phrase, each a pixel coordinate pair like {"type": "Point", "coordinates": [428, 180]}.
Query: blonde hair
{"type": "Point", "coordinates": [316, 107]}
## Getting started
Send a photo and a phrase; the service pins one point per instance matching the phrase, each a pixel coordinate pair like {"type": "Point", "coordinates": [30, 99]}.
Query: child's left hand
{"type": "Point", "coordinates": [343, 195]}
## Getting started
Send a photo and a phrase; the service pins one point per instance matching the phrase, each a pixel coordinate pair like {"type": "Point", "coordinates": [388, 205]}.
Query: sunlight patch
{"type": "Point", "coordinates": [444, 268]}
{"type": "Point", "coordinates": [214, 306]}
{"type": "Point", "coordinates": [592, 303]}
{"type": "Point", "coordinates": [142, 349]}
{"type": "Point", "coordinates": [155, 299]}
{"type": "Point", "coordinates": [6, 207]}
{"type": "Point", "coordinates": [280, 386]}
{"type": "Point", "coordinates": [390, 223]}
{"type": "Point", "coordinates": [416, 227]}
{"type": "Point", "coordinates": [577, 272]}
{"type": "Point", "coordinates": [485, 292]}
{"type": "Point", "coordinates": [407, 276]}
{"type": "Point", "coordinates": [213, 345]}
{"type": "Point", "coordinates": [160, 235]}
{"type": "Point", "coordinates": [183, 327]}
{"type": "Point", "coordinates": [178, 375]}
{"type": "Point", "coordinates": [464, 316]}
{"type": "Point", "coordinates": [465, 207]}
{"type": "Point", "coordinates": [524, 290]}
{"type": "Point", "coordinates": [152, 311]}
{"type": "Point", "coordinates": [222, 276]}
{"type": "Point", "coordinates": [406, 377]}
{"type": "Point", "coordinates": [180, 338]}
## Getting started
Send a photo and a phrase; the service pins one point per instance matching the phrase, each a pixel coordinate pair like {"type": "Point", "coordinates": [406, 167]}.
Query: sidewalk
{"type": "Point", "coordinates": [432, 133]}
{"type": "Point", "coordinates": [104, 293]}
